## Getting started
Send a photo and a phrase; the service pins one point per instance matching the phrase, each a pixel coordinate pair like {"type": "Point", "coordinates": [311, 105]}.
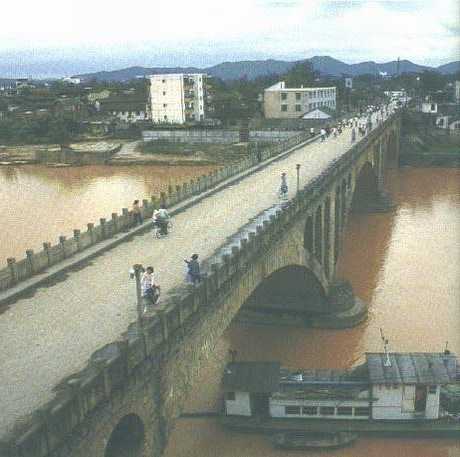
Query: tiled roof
{"type": "Point", "coordinates": [258, 377]}
{"type": "Point", "coordinates": [412, 368]}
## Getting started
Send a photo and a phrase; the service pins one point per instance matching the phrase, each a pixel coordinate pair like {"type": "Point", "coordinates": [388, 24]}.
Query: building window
{"type": "Point", "coordinates": [433, 389]}
{"type": "Point", "coordinates": [344, 411]}
{"type": "Point", "coordinates": [298, 108]}
{"type": "Point", "coordinates": [164, 93]}
{"type": "Point", "coordinates": [165, 105]}
{"type": "Point", "coordinates": [163, 81]}
{"type": "Point", "coordinates": [283, 96]}
{"type": "Point", "coordinates": [327, 410]}
{"type": "Point", "coordinates": [165, 118]}
{"type": "Point", "coordinates": [310, 410]}
{"type": "Point", "coordinates": [230, 396]}
{"type": "Point", "coordinates": [433, 107]}
{"type": "Point", "coordinates": [284, 108]}
{"type": "Point", "coordinates": [297, 95]}
{"type": "Point", "coordinates": [363, 411]}
{"type": "Point", "coordinates": [292, 410]}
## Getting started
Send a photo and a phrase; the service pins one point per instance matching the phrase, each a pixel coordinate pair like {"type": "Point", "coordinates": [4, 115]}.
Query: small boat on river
{"type": "Point", "coordinates": [390, 393]}
{"type": "Point", "coordinates": [293, 440]}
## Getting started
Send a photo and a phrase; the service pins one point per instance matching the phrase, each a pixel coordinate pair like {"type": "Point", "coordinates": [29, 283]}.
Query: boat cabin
{"type": "Point", "coordinates": [395, 386]}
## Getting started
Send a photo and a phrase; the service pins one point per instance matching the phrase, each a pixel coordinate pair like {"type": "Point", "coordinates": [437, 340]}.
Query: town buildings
{"type": "Point", "coordinates": [178, 98]}
{"type": "Point", "coordinates": [281, 102]}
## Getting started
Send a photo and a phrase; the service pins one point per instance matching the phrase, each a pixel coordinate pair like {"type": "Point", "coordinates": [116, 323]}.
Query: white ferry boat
{"type": "Point", "coordinates": [390, 392]}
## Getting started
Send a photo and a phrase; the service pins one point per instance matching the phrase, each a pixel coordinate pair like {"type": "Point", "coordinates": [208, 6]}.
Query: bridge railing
{"type": "Point", "coordinates": [114, 367]}
{"type": "Point", "coordinates": [34, 263]}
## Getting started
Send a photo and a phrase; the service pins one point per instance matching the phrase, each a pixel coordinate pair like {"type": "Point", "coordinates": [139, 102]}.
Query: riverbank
{"type": "Point", "coordinates": [427, 146]}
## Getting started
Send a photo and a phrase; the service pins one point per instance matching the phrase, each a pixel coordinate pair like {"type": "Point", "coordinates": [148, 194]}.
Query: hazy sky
{"type": "Point", "coordinates": [56, 36]}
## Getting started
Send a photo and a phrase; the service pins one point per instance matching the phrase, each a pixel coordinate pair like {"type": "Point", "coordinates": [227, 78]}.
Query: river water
{"type": "Point", "coordinates": [405, 264]}
{"type": "Point", "coordinates": [39, 203]}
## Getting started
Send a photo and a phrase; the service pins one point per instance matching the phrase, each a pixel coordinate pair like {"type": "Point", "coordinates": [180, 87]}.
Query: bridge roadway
{"type": "Point", "coordinates": [50, 335]}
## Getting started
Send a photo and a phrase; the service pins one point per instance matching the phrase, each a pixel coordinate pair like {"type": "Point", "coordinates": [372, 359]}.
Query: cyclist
{"type": "Point", "coordinates": [161, 219]}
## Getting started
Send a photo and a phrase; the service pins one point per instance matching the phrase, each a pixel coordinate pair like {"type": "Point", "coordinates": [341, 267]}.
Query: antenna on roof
{"type": "Point", "coordinates": [387, 362]}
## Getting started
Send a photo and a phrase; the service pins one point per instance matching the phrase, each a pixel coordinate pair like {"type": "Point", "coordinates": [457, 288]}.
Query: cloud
{"type": "Point", "coordinates": [147, 32]}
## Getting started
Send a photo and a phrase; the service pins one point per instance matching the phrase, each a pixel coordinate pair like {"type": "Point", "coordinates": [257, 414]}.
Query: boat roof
{"type": "Point", "coordinates": [412, 368]}
{"type": "Point", "coordinates": [257, 377]}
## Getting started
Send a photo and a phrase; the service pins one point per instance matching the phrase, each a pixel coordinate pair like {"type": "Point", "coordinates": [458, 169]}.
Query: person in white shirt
{"type": "Point", "coordinates": [149, 290]}
{"type": "Point", "coordinates": [323, 135]}
{"type": "Point", "coordinates": [161, 218]}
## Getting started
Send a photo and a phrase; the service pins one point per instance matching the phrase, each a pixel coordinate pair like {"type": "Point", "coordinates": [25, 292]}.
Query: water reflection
{"type": "Point", "coordinates": [405, 264]}
{"type": "Point", "coordinates": [39, 203]}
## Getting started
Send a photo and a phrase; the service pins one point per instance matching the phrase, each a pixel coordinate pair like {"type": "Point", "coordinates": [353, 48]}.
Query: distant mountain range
{"type": "Point", "coordinates": [252, 69]}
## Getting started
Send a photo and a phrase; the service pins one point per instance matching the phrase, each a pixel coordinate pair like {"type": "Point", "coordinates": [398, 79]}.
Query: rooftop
{"type": "Point", "coordinates": [281, 85]}
{"type": "Point", "coordinates": [260, 377]}
{"type": "Point", "coordinates": [412, 368]}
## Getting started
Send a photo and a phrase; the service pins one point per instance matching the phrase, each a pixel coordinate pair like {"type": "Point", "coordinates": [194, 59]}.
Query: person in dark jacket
{"type": "Point", "coordinates": [193, 266]}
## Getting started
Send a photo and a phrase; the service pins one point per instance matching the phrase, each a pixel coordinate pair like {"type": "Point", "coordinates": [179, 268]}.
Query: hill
{"type": "Point", "coordinates": [252, 69]}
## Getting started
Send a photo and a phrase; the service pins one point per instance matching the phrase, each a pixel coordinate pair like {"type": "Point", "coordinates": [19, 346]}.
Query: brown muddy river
{"type": "Point", "coordinates": [406, 265]}
{"type": "Point", "coordinates": [38, 203]}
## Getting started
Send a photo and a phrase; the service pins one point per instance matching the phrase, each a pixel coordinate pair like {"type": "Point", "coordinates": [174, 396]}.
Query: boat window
{"type": "Point", "coordinates": [292, 410]}
{"type": "Point", "coordinates": [230, 396]}
{"type": "Point", "coordinates": [363, 411]}
{"type": "Point", "coordinates": [327, 410]}
{"type": "Point", "coordinates": [344, 411]}
{"type": "Point", "coordinates": [433, 389]}
{"type": "Point", "coordinates": [310, 410]}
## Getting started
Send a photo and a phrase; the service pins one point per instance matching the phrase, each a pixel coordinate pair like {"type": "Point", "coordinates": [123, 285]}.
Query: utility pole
{"type": "Point", "coordinates": [137, 271]}
{"type": "Point", "coordinates": [298, 176]}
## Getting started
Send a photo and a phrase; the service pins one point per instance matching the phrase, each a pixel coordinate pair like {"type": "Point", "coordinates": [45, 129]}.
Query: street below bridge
{"type": "Point", "coordinates": [50, 334]}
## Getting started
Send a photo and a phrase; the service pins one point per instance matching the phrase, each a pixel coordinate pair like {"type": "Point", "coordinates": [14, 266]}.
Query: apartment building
{"type": "Point", "coordinates": [281, 102]}
{"type": "Point", "coordinates": [178, 98]}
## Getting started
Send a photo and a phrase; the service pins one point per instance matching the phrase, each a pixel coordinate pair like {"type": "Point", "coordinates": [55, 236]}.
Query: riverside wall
{"type": "Point", "coordinates": [216, 136]}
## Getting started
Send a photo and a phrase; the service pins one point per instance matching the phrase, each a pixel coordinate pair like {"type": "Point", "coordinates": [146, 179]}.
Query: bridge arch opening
{"type": "Point", "coordinates": [319, 234]}
{"type": "Point", "coordinates": [293, 288]}
{"type": "Point", "coordinates": [127, 438]}
{"type": "Point", "coordinates": [366, 189]}
{"type": "Point", "coordinates": [327, 235]}
{"type": "Point", "coordinates": [392, 150]}
{"type": "Point", "coordinates": [308, 235]}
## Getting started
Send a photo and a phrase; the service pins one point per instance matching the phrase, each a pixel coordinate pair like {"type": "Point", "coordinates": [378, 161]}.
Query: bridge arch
{"type": "Point", "coordinates": [366, 189]}
{"type": "Point", "coordinates": [293, 288]}
{"type": "Point", "coordinates": [127, 438]}
{"type": "Point", "coordinates": [392, 152]}
{"type": "Point", "coordinates": [308, 237]}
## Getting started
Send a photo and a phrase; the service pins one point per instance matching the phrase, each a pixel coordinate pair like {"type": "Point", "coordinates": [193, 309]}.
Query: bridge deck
{"type": "Point", "coordinates": [51, 334]}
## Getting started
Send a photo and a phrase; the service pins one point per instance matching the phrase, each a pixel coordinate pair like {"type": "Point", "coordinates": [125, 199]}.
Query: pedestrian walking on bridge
{"type": "Point", "coordinates": [193, 270]}
{"type": "Point", "coordinates": [137, 215]}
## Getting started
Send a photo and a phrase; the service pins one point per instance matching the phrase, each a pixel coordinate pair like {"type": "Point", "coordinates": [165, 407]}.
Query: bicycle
{"type": "Point", "coordinates": [153, 298]}
{"type": "Point", "coordinates": [157, 230]}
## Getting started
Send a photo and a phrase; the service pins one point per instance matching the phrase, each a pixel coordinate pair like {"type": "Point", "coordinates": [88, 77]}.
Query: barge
{"type": "Point", "coordinates": [390, 394]}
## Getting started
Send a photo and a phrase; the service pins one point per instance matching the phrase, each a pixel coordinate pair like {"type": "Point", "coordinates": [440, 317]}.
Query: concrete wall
{"type": "Point", "coordinates": [152, 371]}
{"type": "Point", "coordinates": [218, 136]}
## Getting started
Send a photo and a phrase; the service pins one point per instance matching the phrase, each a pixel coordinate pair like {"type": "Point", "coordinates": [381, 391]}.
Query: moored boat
{"type": "Point", "coordinates": [390, 393]}
{"type": "Point", "coordinates": [295, 440]}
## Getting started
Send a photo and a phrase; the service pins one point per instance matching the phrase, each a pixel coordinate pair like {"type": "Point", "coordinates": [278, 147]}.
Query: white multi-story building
{"type": "Point", "coordinates": [281, 102]}
{"type": "Point", "coordinates": [178, 98]}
